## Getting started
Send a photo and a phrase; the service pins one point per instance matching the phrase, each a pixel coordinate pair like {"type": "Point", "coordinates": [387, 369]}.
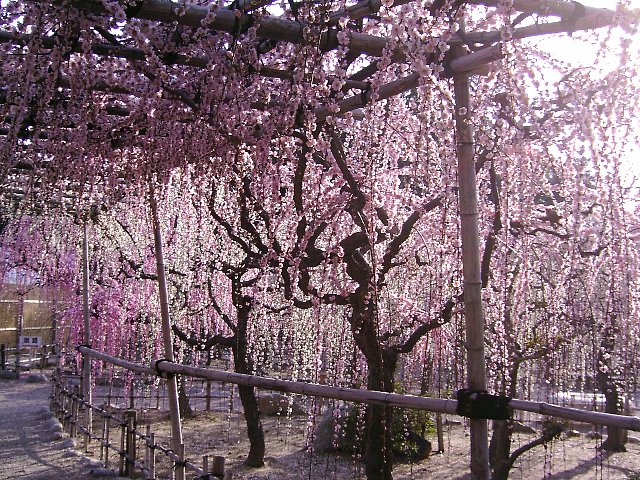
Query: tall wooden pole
{"type": "Point", "coordinates": [86, 360]}
{"type": "Point", "coordinates": [474, 318]}
{"type": "Point", "coordinates": [172, 383]}
{"type": "Point", "coordinates": [19, 330]}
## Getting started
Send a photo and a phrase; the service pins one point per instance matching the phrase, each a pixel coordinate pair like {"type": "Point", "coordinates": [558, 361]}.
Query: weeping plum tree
{"type": "Point", "coordinates": [355, 238]}
{"type": "Point", "coordinates": [562, 229]}
{"type": "Point", "coordinates": [243, 223]}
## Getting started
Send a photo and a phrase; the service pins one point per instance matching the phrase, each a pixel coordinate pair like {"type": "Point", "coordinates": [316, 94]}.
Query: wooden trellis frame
{"type": "Point", "coordinates": [459, 67]}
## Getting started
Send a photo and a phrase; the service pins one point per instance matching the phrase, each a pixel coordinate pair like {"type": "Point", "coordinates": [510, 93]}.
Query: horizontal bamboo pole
{"type": "Point", "coordinates": [538, 29]}
{"type": "Point", "coordinates": [225, 20]}
{"type": "Point", "coordinates": [291, 31]}
{"type": "Point", "coordinates": [565, 9]}
{"type": "Point", "coordinates": [134, 367]}
{"type": "Point", "coordinates": [440, 405]}
{"type": "Point", "coordinates": [577, 415]}
{"type": "Point", "coordinates": [281, 29]}
{"type": "Point", "coordinates": [468, 63]}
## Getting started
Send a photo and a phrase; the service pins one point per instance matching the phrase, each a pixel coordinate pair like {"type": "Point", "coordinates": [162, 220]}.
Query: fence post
{"type": "Point", "coordinates": [102, 436]}
{"type": "Point", "coordinates": [205, 466]}
{"type": "Point", "coordinates": [88, 427]}
{"type": "Point", "coordinates": [130, 416]}
{"type": "Point", "coordinates": [208, 398]}
{"type": "Point", "coordinates": [43, 360]}
{"type": "Point", "coordinates": [74, 411]}
{"type": "Point", "coordinates": [3, 357]}
{"type": "Point", "coordinates": [64, 404]}
{"type": "Point", "coordinates": [123, 452]}
{"type": "Point", "coordinates": [152, 456]}
{"type": "Point", "coordinates": [107, 423]}
{"type": "Point", "coordinates": [179, 464]}
{"type": "Point", "coordinates": [132, 387]}
{"type": "Point", "coordinates": [440, 432]}
{"type": "Point", "coordinates": [147, 453]}
{"type": "Point", "coordinates": [217, 467]}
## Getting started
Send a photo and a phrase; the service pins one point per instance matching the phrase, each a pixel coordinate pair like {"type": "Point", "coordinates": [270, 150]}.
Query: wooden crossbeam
{"type": "Point", "coordinates": [575, 17]}
{"type": "Point", "coordinates": [275, 28]}
{"type": "Point", "coordinates": [558, 8]}
{"type": "Point", "coordinates": [137, 54]}
{"type": "Point", "coordinates": [460, 65]}
{"type": "Point", "coordinates": [465, 64]}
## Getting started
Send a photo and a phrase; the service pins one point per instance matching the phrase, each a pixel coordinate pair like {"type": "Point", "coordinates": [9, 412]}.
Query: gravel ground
{"type": "Point", "coordinates": [29, 447]}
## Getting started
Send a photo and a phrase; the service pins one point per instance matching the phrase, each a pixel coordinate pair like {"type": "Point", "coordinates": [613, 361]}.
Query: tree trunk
{"type": "Point", "coordinates": [377, 454]}
{"type": "Point", "coordinates": [183, 400]}
{"type": "Point", "coordinates": [247, 394]}
{"type": "Point", "coordinates": [254, 426]}
{"type": "Point", "coordinates": [500, 449]}
{"type": "Point", "coordinates": [378, 458]}
{"type": "Point", "coordinates": [500, 446]}
{"type": "Point", "coordinates": [615, 436]}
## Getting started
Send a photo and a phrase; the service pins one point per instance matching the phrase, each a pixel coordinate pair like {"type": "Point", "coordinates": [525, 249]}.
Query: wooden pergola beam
{"type": "Point", "coordinates": [465, 64]}
{"type": "Point", "coordinates": [137, 54]}
{"type": "Point", "coordinates": [275, 28]}
{"type": "Point", "coordinates": [575, 17]}
{"type": "Point", "coordinates": [558, 8]}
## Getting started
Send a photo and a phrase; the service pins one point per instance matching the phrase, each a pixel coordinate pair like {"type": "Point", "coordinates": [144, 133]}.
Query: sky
{"type": "Point", "coordinates": [580, 50]}
{"type": "Point", "coordinates": [565, 47]}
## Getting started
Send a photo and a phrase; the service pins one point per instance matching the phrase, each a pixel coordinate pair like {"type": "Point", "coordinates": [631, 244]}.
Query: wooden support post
{"type": "Point", "coordinates": [208, 397]}
{"type": "Point", "coordinates": [152, 456]}
{"type": "Point", "coordinates": [172, 384]}
{"type": "Point", "coordinates": [179, 464]}
{"type": "Point", "coordinates": [86, 436]}
{"type": "Point", "coordinates": [74, 411]}
{"type": "Point", "coordinates": [123, 451]}
{"type": "Point", "coordinates": [107, 422]}
{"type": "Point", "coordinates": [86, 360]}
{"type": "Point", "coordinates": [130, 417]}
{"type": "Point", "coordinates": [440, 432]}
{"type": "Point", "coordinates": [217, 467]}
{"type": "Point", "coordinates": [474, 319]}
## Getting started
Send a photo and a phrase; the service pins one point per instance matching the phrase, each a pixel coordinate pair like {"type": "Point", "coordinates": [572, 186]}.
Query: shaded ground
{"type": "Point", "coordinates": [27, 448]}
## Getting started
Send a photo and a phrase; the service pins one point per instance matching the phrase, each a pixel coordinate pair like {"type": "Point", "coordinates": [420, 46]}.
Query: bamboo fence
{"type": "Point", "coordinates": [437, 405]}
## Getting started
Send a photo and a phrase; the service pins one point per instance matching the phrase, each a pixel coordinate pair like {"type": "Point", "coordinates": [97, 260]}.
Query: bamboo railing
{"type": "Point", "coordinates": [120, 435]}
{"type": "Point", "coordinates": [437, 405]}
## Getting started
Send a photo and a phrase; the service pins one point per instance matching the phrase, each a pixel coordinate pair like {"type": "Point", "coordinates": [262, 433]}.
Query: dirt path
{"type": "Point", "coordinates": [27, 446]}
